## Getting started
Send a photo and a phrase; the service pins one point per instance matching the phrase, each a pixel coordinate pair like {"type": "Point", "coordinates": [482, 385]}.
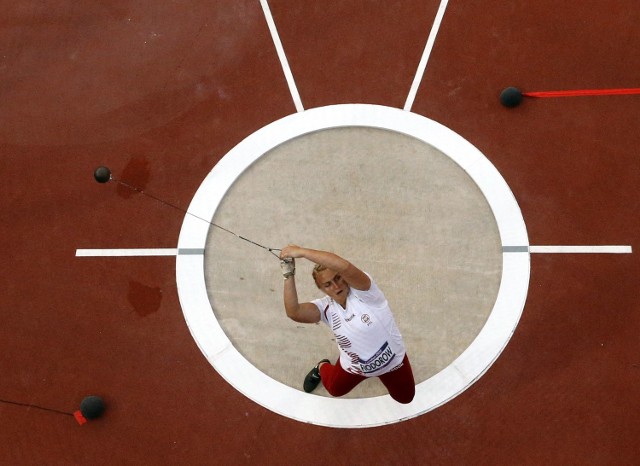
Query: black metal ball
{"type": "Point", "coordinates": [92, 407]}
{"type": "Point", "coordinates": [102, 174]}
{"type": "Point", "coordinates": [511, 97]}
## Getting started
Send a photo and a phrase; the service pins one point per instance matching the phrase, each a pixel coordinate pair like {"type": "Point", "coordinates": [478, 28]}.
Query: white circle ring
{"type": "Point", "coordinates": [360, 412]}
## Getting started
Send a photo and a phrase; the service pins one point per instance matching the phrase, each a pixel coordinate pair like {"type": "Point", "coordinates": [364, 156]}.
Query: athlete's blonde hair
{"type": "Point", "coordinates": [316, 270]}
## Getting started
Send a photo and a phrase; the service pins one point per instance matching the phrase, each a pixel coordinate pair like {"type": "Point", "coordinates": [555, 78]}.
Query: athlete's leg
{"type": "Point", "coordinates": [400, 382]}
{"type": "Point", "coordinates": [336, 380]}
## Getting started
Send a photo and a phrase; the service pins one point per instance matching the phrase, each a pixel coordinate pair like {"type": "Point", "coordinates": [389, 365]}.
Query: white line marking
{"type": "Point", "coordinates": [357, 412]}
{"type": "Point", "coordinates": [581, 249]}
{"type": "Point", "coordinates": [425, 55]}
{"type": "Point", "coordinates": [283, 58]}
{"type": "Point", "coordinates": [137, 252]}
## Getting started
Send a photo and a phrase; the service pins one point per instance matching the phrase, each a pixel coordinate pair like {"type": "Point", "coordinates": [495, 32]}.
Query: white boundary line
{"type": "Point", "coordinates": [362, 412]}
{"type": "Point", "coordinates": [137, 252]}
{"type": "Point", "coordinates": [581, 249]}
{"type": "Point", "coordinates": [126, 252]}
{"type": "Point", "coordinates": [146, 252]}
{"type": "Point", "coordinates": [283, 58]}
{"type": "Point", "coordinates": [425, 55]}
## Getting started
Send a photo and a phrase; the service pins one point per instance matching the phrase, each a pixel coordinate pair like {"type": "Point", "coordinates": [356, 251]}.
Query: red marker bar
{"type": "Point", "coordinates": [580, 93]}
{"type": "Point", "coordinates": [79, 417]}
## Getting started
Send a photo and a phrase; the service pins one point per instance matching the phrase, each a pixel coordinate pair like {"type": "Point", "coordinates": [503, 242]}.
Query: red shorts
{"type": "Point", "coordinates": [399, 381]}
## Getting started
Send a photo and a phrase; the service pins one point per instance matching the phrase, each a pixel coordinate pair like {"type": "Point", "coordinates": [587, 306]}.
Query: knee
{"type": "Point", "coordinates": [405, 397]}
{"type": "Point", "coordinates": [405, 401]}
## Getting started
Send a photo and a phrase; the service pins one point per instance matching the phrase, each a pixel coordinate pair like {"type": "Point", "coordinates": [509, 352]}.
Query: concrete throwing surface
{"type": "Point", "coordinates": [395, 207]}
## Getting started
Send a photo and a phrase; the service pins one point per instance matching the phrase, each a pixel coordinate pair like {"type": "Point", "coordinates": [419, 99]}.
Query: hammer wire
{"type": "Point", "coordinates": [138, 190]}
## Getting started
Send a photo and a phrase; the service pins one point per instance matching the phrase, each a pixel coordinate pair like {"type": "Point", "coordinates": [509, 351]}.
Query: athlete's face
{"type": "Point", "coordinates": [333, 285]}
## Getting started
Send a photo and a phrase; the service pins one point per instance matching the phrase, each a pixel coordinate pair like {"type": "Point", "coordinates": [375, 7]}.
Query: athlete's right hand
{"type": "Point", "coordinates": [292, 251]}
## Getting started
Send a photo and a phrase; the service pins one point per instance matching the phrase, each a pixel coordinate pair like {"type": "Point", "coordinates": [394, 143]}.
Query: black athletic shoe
{"type": "Point", "coordinates": [312, 380]}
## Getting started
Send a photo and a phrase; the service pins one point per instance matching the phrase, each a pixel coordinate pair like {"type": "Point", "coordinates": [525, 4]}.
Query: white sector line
{"type": "Point", "coordinates": [425, 55]}
{"type": "Point", "coordinates": [283, 58]}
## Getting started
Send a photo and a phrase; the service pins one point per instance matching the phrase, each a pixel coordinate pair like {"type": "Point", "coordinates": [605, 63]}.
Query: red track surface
{"type": "Point", "coordinates": [160, 92]}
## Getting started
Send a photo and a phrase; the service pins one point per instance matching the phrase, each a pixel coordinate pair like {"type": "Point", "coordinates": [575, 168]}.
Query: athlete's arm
{"type": "Point", "coordinates": [306, 313]}
{"type": "Point", "coordinates": [355, 277]}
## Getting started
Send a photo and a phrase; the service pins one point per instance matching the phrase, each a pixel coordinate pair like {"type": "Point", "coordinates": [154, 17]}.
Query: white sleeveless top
{"type": "Point", "coordinates": [366, 332]}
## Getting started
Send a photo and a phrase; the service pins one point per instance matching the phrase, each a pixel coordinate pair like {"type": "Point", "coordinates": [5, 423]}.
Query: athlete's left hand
{"type": "Point", "coordinates": [288, 267]}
